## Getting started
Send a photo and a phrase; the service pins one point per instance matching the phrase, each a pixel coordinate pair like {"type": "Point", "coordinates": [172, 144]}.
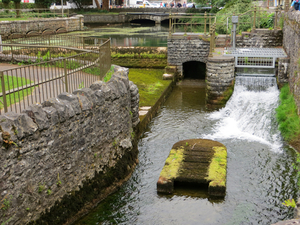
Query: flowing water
{"type": "Point", "coordinates": [260, 175]}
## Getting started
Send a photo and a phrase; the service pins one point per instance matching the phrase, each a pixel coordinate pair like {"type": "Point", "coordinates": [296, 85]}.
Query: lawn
{"type": "Point", "coordinates": [12, 82]}
{"type": "Point", "coordinates": [150, 84]}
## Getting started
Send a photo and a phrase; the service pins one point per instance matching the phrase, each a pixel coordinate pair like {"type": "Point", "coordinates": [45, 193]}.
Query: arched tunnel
{"type": "Point", "coordinates": [143, 21]}
{"type": "Point", "coordinates": [194, 70]}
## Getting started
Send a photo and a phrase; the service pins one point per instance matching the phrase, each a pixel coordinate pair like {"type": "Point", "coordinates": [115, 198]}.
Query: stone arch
{"type": "Point", "coordinates": [48, 32]}
{"type": "Point", "coordinates": [32, 33]}
{"type": "Point", "coordinates": [16, 35]}
{"type": "Point", "coordinates": [61, 30]}
{"type": "Point", "coordinates": [194, 69]}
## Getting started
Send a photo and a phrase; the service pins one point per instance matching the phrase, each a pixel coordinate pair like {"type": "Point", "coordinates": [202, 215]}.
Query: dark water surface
{"type": "Point", "coordinates": [128, 35]}
{"type": "Point", "coordinates": [259, 171]}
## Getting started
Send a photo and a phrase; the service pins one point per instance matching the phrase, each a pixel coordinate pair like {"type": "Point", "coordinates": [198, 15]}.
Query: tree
{"type": "Point", "coordinates": [17, 7]}
{"type": "Point", "coordinates": [6, 3]}
{"type": "Point", "coordinates": [105, 5]}
{"type": "Point", "coordinates": [43, 3]}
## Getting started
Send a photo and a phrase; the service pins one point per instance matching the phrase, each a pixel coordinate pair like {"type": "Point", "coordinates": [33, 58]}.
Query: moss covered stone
{"type": "Point", "coordinates": [198, 162]}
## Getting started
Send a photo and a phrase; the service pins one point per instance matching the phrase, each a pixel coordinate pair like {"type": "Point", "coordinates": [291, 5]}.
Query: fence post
{"type": "Point", "coordinates": [210, 44]}
{"type": "Point", "coordinates": [205, 15]}
{"type": "Point", "coordinates": [66, 76]}
{"type": "Point", "coordinates": [3, 91]}
{"type": "Point", "coordinates": [276, 15]}
{"type": "Point", "coordinates": [214, 37]}
{"type": "Point", "coordinates": [170, 24]}
{"type": "Point", "coordinates": [254, 18]}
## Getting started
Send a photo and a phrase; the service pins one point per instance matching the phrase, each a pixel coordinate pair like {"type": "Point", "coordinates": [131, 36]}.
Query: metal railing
{"type": "Point", "coordinates": [57, 69]}
{"type": "Point", "coordinates": [33, 13]}
{"type": "Point", "coordinates": [199, 23]}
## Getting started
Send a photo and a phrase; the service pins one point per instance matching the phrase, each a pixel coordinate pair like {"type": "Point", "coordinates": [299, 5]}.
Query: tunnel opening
{"type": "Point", "coordinates": [194, 70]}
{"type": "Point", "coordinates": [144, 22]}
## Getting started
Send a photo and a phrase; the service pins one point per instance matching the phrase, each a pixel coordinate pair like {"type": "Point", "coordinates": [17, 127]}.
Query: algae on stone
{"type": "Point", "coordinates": [217, 167]}
{"type": "Point", "coordinates": [172, 164]}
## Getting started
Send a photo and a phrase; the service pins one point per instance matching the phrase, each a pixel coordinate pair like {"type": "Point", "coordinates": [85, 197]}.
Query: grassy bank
{"type": "Point", "coordinates": [287, 117]}
{"type": "Point", "coordinates": [150, 84]}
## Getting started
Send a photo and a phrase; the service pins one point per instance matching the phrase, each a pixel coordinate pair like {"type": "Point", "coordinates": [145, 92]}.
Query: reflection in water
{"type": "Point", "coordinates": [131, 35]}
{"type": "Point", "coordinates": [259, 177]}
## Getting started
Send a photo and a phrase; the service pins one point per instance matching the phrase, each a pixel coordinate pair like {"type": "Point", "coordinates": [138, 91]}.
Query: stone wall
{"type": "Point", "coordinates": [65, 154]}
{"type": "Point", "coordinates": [107, 19]}
{"type": "Point", "coordinates": [181, 50]}
{"type": "Point", "coordinates": [260, 38]}
{"type": "Point", "coordinates": [219, 80]}
{"type": "Point", "coordinates": [40, 25]}
{"type": "Point", "coordinates": [291, 44]}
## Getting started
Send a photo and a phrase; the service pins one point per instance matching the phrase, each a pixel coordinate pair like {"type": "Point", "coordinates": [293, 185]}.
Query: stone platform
{"type": "Point", "coordinates": [195, 161]}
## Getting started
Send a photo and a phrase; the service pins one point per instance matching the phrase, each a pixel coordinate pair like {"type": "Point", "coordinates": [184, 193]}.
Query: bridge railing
{"type": "Point", "coordinates": [191, 23]}
{"type": "Point", "coordinates": [55, 70]}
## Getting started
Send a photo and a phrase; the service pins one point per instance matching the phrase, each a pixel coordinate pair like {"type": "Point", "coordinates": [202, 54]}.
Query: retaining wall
{"type": "Point", "coordinates": [40, 25]}
{"type": "Point", "coordinates": [291, 44]}
{"type": "Point", "coordinates": [61, 157]}
{"type": "Point", "coordinates": [260, 38]}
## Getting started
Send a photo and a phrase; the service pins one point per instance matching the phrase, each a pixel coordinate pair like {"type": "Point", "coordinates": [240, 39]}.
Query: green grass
{"type": "Point", "coordinates": [150, 84]}
{"type": "Point", "coordinates": [14, 82]}
{"type": "Point", "coordinates": [109, 74]}
{"type": "Point", "coordinates": [286, 115]}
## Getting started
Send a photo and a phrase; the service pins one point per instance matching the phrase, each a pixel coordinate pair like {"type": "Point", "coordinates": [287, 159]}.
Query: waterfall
{"type": "Point", "coordinates": [250, 112]}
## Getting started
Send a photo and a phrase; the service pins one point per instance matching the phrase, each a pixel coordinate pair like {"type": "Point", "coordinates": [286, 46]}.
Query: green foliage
{"type": "Point", "coordinates": [132, 135]}
{"type": "Point", "coordinates": [49, 192]}
{"type": "Point", "coordinates": [266, 20]}
{"type": "Point", "coordinates": [109, 74]}
{"type": "Point", "coordinates": [289, 203]}
{"type": "Point", "coordinates": [41, 188]}
{"type": "Point", "coordinates": [286, 115]}
{"type": "Point", "coordinates": [6, 203]}
{"type": "Point", "coordinates": [81, 85]}
{"type": "Point", "coordinates": [281, 22]}
{"type": "Point", "coordinates": [6, 222]}
{"type": "Point", "coordinates": [143, 55]}
{"type": "Point", "coordinates": [43, 3]}
{"type": "Point", "coordinates": [58, 181]}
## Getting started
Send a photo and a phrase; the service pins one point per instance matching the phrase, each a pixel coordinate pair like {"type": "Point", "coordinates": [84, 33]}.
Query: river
{"type": "Point", "coordinates": [260, 175]}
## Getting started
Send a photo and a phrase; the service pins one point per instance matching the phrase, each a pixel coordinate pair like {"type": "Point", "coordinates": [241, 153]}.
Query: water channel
{"type": "Point", "coordinates": [260, 175]}
{"type": "Point", "coordinates": [129, 35]}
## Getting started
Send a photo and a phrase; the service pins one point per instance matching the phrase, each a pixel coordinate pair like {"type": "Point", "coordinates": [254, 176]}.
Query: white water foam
{"type": "Point", "coordinates": [249, 114]}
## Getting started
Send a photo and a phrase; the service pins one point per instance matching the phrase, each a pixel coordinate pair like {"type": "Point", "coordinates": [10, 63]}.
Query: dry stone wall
{"type": "Point", "coordinates": [260, 38]}
{"type": "Point", "coordinates": [62, 154]}
{"type": "Point", "coordinates": [291, 44]}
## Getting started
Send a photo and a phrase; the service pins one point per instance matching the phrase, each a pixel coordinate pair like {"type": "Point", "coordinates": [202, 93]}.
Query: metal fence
{"type": "Point", "coordinates": [33, 13]}
{"type": "Point", "coordinates": [257, 17]}
{"type": "Point", "coordinates": [199, 23]}
{"type": "Point", "coordinates": [57, 69]}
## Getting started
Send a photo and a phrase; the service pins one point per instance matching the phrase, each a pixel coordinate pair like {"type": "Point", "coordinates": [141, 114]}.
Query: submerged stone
{"type": "Point", "coordinates": [195, 161]}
